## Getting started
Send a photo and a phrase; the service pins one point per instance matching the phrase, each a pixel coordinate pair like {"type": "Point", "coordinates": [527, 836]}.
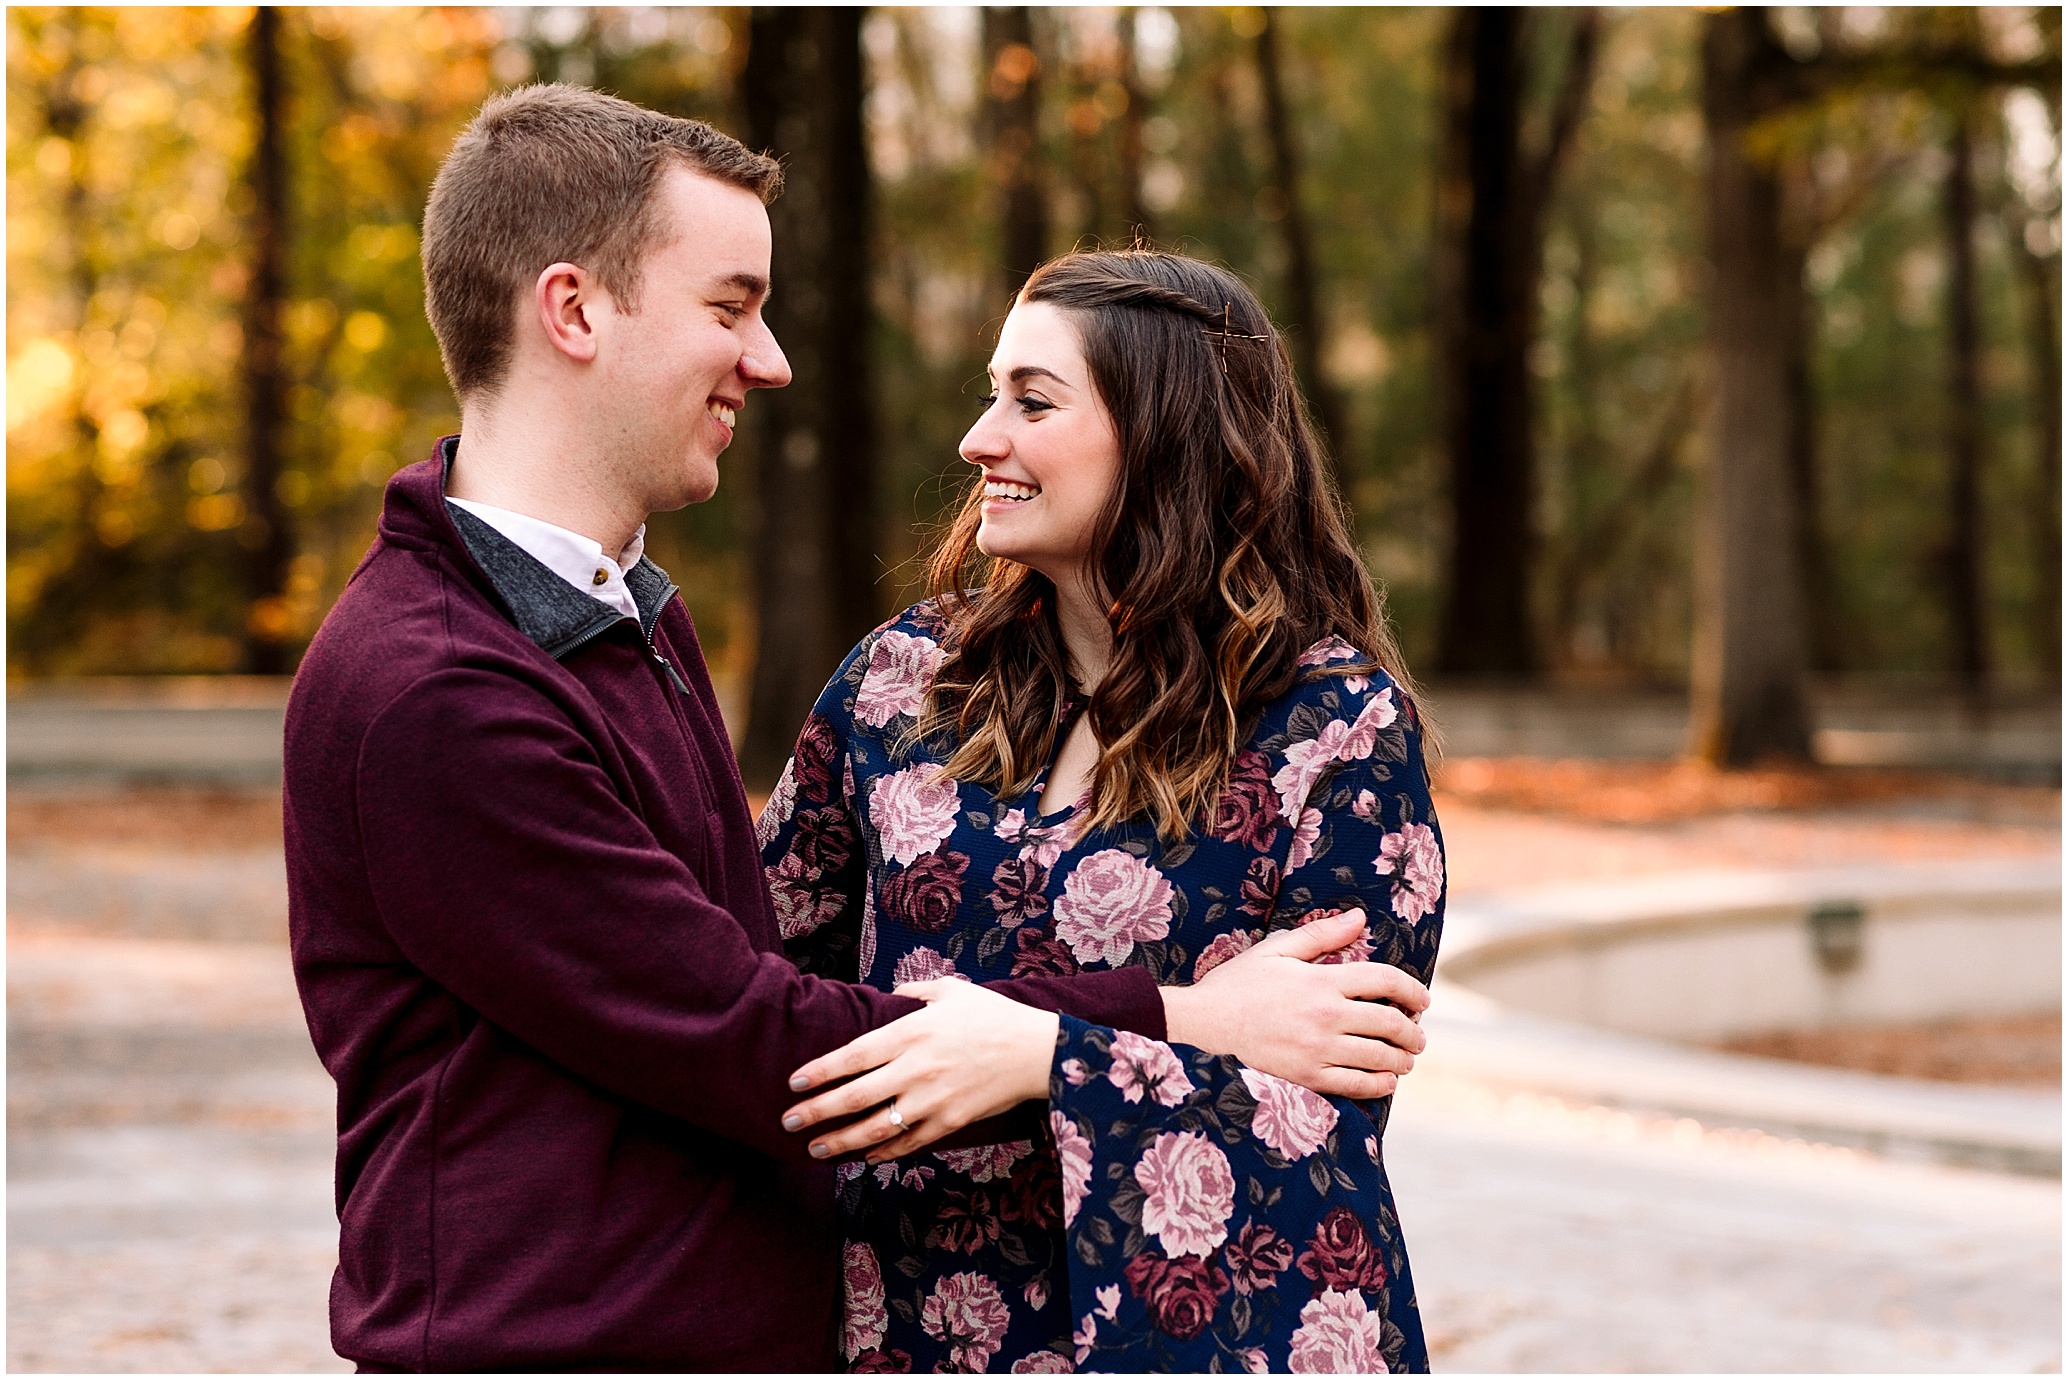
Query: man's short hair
{"type": "Point", "coordinates": [547, 174]}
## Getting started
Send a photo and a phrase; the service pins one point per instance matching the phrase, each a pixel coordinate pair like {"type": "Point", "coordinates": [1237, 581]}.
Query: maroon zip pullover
{"type": "Point", "coordinates": [536, 953]}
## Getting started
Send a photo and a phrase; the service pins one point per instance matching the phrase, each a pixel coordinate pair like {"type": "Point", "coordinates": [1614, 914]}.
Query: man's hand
{"type": "Point", "coordinates": [970, 1054]}
{"type": "Point", "coordinates": [1324, 1026]}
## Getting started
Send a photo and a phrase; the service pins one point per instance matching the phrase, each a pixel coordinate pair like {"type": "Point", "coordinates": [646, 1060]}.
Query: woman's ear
{"type": "Point", "coordinates": [567, 299]}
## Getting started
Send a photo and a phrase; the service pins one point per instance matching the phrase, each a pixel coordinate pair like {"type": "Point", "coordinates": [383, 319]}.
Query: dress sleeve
{"type": "Point", "coordinates": [1222, 1218]}
{"type": "Point", "coordinates": [811, 841]}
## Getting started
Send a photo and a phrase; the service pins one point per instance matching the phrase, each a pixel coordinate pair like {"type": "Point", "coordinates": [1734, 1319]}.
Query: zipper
{"type": "Point", "coordinates": [653, 634]}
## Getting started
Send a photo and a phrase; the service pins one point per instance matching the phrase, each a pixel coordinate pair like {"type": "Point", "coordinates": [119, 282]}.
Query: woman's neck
{"type": "Point", "coordinates": [1087, 636]}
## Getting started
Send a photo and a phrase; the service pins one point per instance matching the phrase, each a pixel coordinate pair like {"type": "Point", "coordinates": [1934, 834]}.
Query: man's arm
{"type": "Point", "coordinates": [506, 867]}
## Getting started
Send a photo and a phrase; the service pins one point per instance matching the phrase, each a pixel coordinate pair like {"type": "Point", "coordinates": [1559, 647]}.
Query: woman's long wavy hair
{"type": "Point", "coordinates": [1223, 549]}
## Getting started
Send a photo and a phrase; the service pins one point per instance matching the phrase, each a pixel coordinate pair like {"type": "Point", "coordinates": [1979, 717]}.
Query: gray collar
{"type": "Point", "coordinates": [546, 608]}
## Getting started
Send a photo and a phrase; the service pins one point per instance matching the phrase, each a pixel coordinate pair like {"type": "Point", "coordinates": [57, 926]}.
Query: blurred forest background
{"type": "Point", "coordinates": [1662, 347]}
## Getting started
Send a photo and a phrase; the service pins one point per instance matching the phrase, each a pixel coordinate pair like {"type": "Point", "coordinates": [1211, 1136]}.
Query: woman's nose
{"type": "Point", "coordinates": [985, 442]}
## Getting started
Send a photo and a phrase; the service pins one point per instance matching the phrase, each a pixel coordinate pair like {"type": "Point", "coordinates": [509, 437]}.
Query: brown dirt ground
{"type": "Point", "coordinates": [2024, 1050]}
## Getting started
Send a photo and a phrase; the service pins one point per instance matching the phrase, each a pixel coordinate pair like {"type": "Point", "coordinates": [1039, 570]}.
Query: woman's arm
{"type": "Point", "coordinates": [974, 1054]}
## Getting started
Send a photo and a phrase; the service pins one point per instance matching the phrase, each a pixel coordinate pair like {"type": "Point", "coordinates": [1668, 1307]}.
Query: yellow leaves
{"type": "Point", "coordinates": [215, 512]}
{"type": "Point", "coordinates": [38, 379]}
{"type": "Point", "coordinates": [382, 243]}
{"type": "Point", "coordinates": [364, 331]}
{"type": "Point", "coordinates": [179, 230]}
{"type": "Point", "coordinates": [207, 475]}
{"type": "Point", "coordinates": [54, 158]}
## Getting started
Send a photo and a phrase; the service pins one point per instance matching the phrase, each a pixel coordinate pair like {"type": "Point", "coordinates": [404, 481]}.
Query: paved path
{"type": "Point", "coordinates": [169, 1167]}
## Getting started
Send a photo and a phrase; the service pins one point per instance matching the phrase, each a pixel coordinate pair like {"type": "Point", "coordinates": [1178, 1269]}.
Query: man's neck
{"type": "Point", "coordinates": [530, 465]}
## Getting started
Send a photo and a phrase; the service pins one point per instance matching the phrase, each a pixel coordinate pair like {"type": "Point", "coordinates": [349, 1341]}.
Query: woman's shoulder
{"type": "Point", "coordinates": [1338, 681]}
{"type": "Point", "coordinates": [890, 671]}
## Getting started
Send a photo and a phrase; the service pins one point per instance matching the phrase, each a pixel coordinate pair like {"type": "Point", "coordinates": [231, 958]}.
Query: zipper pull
{"type": "Point", "coordinates": [673, 674]}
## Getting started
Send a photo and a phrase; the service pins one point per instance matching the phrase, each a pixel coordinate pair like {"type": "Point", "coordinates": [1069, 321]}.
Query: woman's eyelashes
{"type": "Point", "coordinates": [1030, 405]}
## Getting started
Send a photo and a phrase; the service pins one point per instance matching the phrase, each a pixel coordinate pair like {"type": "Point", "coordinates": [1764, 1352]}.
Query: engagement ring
{"type": "Point", "coordinates": [897, 1118]}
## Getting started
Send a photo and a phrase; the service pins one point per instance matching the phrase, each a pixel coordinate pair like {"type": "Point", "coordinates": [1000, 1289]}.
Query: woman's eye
{"type": "Point", "coordinates": [988, 401]}
{"type": "Point", "coordinates": [1033, 405]}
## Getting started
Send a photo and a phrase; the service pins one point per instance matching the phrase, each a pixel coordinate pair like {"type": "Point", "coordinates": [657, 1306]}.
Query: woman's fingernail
{"type": "Point", "coordinates": [792, 1122]}
{"type": "Point", "coordinates": [819, 1150]}
{"type": "Point", "coordinates": [798, 1082]}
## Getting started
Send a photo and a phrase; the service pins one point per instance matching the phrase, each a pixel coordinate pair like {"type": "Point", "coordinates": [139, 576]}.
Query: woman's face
{"type": "Point", "coordinates": [1047, 446]}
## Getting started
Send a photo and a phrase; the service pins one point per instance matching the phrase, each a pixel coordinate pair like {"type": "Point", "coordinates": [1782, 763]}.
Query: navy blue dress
{"type": "Point", "coordinates": [1184, 1212]}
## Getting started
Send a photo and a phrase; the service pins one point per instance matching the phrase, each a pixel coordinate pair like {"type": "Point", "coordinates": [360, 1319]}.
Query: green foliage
{"type": "Point", "coordinates": [129, 132]}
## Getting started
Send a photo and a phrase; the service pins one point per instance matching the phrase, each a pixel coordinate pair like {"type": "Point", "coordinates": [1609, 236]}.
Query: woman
{"type": "Point", "coordinates": [1170, 721]}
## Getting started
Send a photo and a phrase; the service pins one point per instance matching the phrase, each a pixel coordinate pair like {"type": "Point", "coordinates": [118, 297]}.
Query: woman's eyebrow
{"type": "Point", "coordinates": [1032, 371]}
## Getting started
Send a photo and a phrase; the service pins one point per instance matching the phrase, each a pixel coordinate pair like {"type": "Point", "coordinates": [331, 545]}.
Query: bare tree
{"type": "Point", "coordinates": [1302, 279]}
{"type": "Point", "coordinates": [815, 534]}
{"type": "Point", "coordinates": [1966, 595]}
{"type": "Point", "coordinates": [1012, 125]}
{"type": "Point", "coordinates": [267, 538]}
{"type": "Point", "coordinates": [1491, 199]}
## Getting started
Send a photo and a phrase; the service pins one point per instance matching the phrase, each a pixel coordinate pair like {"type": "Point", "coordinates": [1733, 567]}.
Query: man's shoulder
{"type": "Point", "coordinates": [405, 617]}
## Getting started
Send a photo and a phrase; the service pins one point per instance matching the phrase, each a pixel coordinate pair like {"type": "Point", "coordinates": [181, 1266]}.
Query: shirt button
{"type": "Point", "coordinates": [602, 577]}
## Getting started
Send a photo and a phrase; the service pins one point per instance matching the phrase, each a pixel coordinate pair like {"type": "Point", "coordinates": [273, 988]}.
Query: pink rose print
{"type": "Point", "coordinates": [1415, 860]}
{"type": "Point", "coordinates": [1010, 826]}
{"type": "Point", "coordinates": [1290, 1119]}
{"type": "Point", "coordinates": [1326, 650]}
{"type": "Point", "coordinates": [984, 1163]}
{"type": "Point", "coordinates": [1043, 1363]}
{"type": "Point", "coordinates": [1223, 948]}
{"type": "Point", "coordinates": [1042, 846]}
{"type": "Point", "coordinates": [862, 1324]}
{"type": "Point", "coordinates": [1141, 1065]}
{"type": "Point", "coordinates": [867, 957]}
{"type": "Point", "coordinates": [800, 908]}
{"type": "Point", "coordinates": [1338, 1335]}
{"type": "Point", "coordinates": [1305, 835]}
{"type": "Point", "coordinates": [1075, 1073]}
{"type": "Point", "coordinates": [1073, 1154]}
{"type": "Point", "coordinates": [782, 803]}
{"type": "Point", "coordinates": [1366, 807]}
{"type": "Point", "coordinates": [968, 1314]}
{"type": "Point", "coordinates": [922, 965]}
{"type": "Point", "coordinates": [1305, 761]}
{"type": "Point", "coordinates": [1256, 1257]}
{"type": "Point", "coordinates": [1036, 1292]}
{"type": "Point", "coordinates": [1190, 1192]}
{"type": "Point", "coordinates": [1112, 901]}
{"type": "Point", "coordinates": [1356, 951]}
{"type": "Point", "coordinates": [1379, 712]}
{"type": "Point", "coordinates": [913, 810]}
{"type": "Point", "coordinates": [1108, 1296]}
{"type": "Point", "coordinates": [901, 671]}
{"type": "Point", "coordinates": [1085, 1337]}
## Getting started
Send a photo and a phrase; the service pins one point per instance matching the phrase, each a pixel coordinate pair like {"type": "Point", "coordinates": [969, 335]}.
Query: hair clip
{"type": "Point", "coordinates": [1227, 330]}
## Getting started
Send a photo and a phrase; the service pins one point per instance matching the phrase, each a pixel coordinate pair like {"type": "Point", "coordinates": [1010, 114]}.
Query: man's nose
{"type": "Point", "coordinates": [762, 363]}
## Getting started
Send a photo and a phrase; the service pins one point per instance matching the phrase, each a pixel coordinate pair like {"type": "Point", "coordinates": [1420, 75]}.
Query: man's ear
{"type": "Point", "coordinates": [569, 302]}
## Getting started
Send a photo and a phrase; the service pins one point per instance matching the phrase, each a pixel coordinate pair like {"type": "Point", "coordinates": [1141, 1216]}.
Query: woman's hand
{"type": "Point", "coordinates": [970, 1054]}
{"type": "Point", "coordinates": [1324, 1026]}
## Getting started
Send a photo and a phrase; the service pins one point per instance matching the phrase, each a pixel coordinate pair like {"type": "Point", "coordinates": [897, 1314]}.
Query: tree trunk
{"type": "Point", "coordinates": [1966, 596]}
{"type": "Point", "coordinates": [1486, 625]}
{"type": "Point", "coordinates": [1798, 348]}
{"type": "Point", "coordinates": [267, 539]}
{"type": "Point", "coordinates": [2042, 296]}
{"type": "Point", "coordinates": [815, 540]}
{"type": "Point", "coordinates": [1302, 285]}
{"type": "Point", "coordinates": [1748, 696]}
{"type": "Point", "coordinates": [1012, 111]}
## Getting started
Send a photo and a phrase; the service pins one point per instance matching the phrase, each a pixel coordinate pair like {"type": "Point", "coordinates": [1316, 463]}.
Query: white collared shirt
{"type": "Point", "coordinates": [570, 555]}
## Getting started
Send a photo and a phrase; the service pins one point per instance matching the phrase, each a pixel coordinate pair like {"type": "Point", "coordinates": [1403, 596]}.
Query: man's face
{"type": "Point", "coordinates": [678, 369]}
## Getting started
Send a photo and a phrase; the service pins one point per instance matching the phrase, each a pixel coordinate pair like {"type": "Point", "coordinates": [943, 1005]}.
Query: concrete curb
{"type": "Point", "coordinates": [1473, 1036]}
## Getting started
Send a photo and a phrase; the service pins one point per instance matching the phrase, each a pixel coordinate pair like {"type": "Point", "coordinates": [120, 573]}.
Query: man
{"type": "Point", "coordinates": [529, 923]}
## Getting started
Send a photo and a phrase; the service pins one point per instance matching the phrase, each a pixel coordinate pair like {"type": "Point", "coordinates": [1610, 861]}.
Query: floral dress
{"type": "Point", "coordinates": [1182, 1212]}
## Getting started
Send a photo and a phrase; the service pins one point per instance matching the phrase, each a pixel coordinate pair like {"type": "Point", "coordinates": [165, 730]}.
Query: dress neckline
{"type": "Point", "coordinates": [1075, 702]}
